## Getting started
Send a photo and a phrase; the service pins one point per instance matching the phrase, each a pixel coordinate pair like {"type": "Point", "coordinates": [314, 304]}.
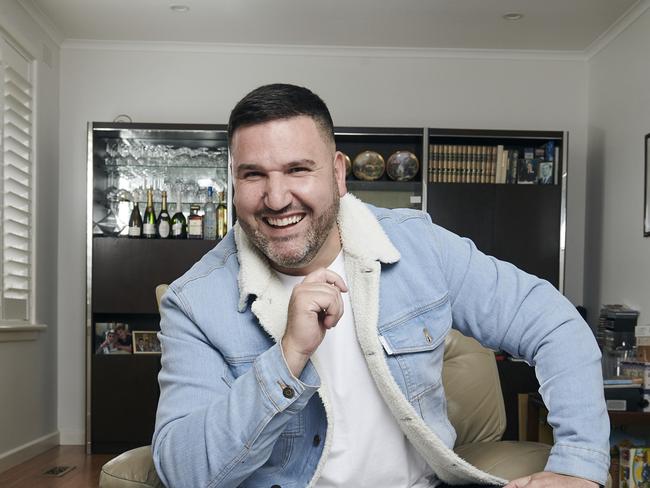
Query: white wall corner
{"type": "Point", "coordinates": [623, 22]}
{"type": "Point", "coordinates": [71, 437]}
{"type": "Point", "coordinates": [44, 22]}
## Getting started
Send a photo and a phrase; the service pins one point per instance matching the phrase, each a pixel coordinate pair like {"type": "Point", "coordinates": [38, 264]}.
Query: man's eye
{"type": "Point", "coordinates": [251, 174]}
{"type": "Point", "coordinates": [298, 169]}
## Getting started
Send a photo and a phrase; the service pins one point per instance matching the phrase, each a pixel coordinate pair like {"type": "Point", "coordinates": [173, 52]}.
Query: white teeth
{"type": "Point", "coordinates": [285, 221]}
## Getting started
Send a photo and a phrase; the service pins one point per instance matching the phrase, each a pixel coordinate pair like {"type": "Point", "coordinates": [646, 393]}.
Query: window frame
{"type": "Point", "coordinates": [20, 329]}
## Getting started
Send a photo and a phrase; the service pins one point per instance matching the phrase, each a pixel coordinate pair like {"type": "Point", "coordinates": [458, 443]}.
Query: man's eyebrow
{"type": "Point", "coordinates": [292, 164]}
{"type": "Point", "coordinates": [247, 166]}
{"type": "Point", "coordinates": [301, 162]}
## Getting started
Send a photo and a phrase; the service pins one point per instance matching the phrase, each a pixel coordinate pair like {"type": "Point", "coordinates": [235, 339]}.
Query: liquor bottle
{"type": "Point", "coordinates": [195, 223]}
{"type": "Point", "coordinates": [149, 221]}
{"type": "Point", "coordinates": [222, 217]}
{"type": "Point", "coordinates": [210, 218]}
{"type": "Point", "coordinates": [135, 222]}
{"type": "Point", "coordinates": [179, 224]}
{"type": "Point", "coordinates": [163, 224]}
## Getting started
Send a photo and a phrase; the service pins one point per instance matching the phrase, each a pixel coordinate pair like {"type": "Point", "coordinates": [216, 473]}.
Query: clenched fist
{"type": "Point", "coordinates": [315, 306]}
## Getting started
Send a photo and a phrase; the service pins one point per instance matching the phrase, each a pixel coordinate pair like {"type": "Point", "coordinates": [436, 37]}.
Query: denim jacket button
{"type": "Point", "coordinates": [276, 486]}
{"type": "Point", "coordinates": [288, 392]}
{"type": "Point", "coordinates": [316, 440]}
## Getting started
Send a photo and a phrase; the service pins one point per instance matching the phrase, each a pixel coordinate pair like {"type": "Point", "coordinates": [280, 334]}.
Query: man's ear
{"type": "Point", "coordinates": [339, 172]}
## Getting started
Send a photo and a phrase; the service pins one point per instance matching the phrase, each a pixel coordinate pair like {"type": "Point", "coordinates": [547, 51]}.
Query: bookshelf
{"type": "Point", "coordinates": [520, 222]}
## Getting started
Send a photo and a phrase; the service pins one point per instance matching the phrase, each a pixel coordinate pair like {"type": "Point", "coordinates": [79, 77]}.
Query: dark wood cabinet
{"type": "Point", "coordinates": [515, 223]}
{"type": "Point", "coordinates": [518, 223]}
{"type": "Point", "coordinates": [125, 160]}
{"type": "Point", "coordinates": [124, 388]}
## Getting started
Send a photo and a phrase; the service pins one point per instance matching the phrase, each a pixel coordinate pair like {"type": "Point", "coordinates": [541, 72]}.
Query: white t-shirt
{"type": "Point", "coordinates": [368, 448]}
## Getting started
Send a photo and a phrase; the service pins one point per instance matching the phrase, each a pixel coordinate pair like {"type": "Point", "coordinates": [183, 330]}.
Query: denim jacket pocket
{"type": "Point", "coordinates": [414, 347]}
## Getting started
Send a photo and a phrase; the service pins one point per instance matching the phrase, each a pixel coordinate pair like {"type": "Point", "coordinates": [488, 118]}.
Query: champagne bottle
{"type": "Point", "coordinates": [195, 223]}
{"type": "Point", "coordinates": [149, 221]}
{"type": "Point", "coordinates": [210, 218]}
{"type": "Point", "coordinates": [222, 217]}
{"type": "Point", "coordinates": [135, 222]}
{"type": "Point", "coordinates": [163, 224]}
{"type": "Point", "coordinates": [179, 224]}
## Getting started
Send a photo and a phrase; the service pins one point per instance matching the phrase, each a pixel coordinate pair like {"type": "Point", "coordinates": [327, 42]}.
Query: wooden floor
{"type": "Point", "coordinates": [30, 473]}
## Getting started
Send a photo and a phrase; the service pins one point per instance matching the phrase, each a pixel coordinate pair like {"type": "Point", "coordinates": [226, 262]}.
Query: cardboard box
{"type": "Point", "coordinates": [634, 467]}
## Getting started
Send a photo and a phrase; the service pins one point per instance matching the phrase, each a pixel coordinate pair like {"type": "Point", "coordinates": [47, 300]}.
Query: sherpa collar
{"type": "Point", "coordinates": [361, 237]}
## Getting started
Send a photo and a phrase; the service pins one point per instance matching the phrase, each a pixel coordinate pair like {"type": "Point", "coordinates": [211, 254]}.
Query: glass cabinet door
{"type": "Point", "coordinates": [129, 159]}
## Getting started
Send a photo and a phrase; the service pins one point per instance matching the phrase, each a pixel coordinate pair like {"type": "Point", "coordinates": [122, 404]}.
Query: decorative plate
{"type": "Point", "coordinates": [402, 166]}
{"type": "Point", "coordinates": [368, 166]}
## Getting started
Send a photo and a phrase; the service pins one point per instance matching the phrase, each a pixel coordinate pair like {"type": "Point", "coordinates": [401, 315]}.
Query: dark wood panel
{"type": "Point", "coordinates": [527, 228]}
{"type": "Point", "coordinates": [516, 377]}
{"type": "Point", "coordinates": [124, 399]}
{"type": "Point", "coordinates": [127, 271]}
{"type": "Point", "coordinates": [465, 209]}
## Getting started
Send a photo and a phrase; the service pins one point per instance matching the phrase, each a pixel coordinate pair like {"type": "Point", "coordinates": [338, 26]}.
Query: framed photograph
{"type": "Point", "coordinates": [646, 195]}
{"type": "Point", "coordinates": [112, 338]}
{"type": "Point", "coordinates": [146, 342]}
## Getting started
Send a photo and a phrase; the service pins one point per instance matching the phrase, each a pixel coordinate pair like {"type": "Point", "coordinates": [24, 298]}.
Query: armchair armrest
{"type": "Point", "coordinates": [506, 459]}
{"type": "Point", "coordinates": [131, 469]}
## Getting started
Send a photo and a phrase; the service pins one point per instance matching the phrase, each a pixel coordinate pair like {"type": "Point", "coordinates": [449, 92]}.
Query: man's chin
{"type": "Point", "coordinates": [288, 259]}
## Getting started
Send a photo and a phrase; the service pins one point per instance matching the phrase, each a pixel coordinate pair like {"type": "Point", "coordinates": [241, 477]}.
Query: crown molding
{"type": "Point", "coordinates": [43, 20]}
{"type": "Point", "coordinates": [324, 51]}
{"type": "Point", "coordinates": [617, 28]}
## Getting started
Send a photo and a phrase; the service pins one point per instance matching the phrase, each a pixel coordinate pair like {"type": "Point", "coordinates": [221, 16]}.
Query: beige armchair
{"type": "Point", "coordinates": [475, 409]}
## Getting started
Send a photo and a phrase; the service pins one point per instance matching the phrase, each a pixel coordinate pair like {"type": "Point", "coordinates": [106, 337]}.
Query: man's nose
{"type": "Point", "coordinates": [277, 193]}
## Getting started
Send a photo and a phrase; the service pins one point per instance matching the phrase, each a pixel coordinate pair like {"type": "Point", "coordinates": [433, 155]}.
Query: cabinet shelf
{"type": "Point", "coordinates": [384, 185]}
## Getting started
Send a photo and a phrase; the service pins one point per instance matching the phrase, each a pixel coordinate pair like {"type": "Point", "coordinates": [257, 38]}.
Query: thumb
{"type": "Point", "coordinates": [519, 482]}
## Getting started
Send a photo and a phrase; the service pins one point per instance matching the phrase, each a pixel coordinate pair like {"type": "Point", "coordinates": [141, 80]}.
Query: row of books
{"type": "Point", "coordinates": [463, 163]}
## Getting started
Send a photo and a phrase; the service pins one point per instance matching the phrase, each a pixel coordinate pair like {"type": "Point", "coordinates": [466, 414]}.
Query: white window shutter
{"type": "Point", "coordinates": [16, 208]}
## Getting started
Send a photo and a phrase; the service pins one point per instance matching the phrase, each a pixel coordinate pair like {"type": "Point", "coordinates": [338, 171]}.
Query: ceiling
{"type": "Point", "coordinates": [567, 25]}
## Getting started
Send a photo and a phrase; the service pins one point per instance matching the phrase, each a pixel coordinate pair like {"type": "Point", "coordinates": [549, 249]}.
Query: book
{"type": "Point", "coordinates": [545, 173]}
{"type": "Point", "coordinates": [527, 171]}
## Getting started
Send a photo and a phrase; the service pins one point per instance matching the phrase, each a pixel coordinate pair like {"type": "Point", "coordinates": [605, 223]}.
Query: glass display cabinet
{"type": "Point", "coordinates": [126, 160]}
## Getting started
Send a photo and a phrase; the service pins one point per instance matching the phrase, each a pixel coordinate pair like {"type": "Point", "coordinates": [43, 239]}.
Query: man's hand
{"type": "Point", "coordinates": [315, 306]}
{"type": "Point", "coordinates": [547, 479]}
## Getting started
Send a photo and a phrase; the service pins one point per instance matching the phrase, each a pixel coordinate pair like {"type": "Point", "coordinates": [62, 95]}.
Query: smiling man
{"type": "Point", "coordinates": [279, 365]}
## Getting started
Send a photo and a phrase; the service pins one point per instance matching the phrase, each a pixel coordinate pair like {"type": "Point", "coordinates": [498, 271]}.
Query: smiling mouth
{"type": "Point", "coordinates": [283, 222]}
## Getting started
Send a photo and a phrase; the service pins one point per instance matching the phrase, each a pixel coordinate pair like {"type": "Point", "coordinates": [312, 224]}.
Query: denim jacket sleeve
{"type": "Point", "coordinates": [210, 432]}
{"type": "Point", "coordinates": [506, 308]}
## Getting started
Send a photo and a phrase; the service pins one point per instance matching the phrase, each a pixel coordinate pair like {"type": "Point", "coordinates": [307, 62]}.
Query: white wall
{"type": "Point", "coordinates": [362, 88]}
{"type": "Point", "coordinates": [617, 256]}
{"type": "Point", "coordinates": [28, 372]}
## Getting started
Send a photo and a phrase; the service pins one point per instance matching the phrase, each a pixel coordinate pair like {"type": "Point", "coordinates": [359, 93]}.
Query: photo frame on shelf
{"type": "Point", "coordinates": [146, 342]}
{"type": "Point", "coordinates": [646, 191]}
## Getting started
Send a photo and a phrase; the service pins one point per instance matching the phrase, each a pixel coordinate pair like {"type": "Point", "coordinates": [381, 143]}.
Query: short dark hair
{"type": "Point", "coordinates": [280, 101]}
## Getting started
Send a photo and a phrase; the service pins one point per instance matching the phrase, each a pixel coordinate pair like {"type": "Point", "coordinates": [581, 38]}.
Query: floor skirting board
{"type": "Point", "coordinates": [27, 451]}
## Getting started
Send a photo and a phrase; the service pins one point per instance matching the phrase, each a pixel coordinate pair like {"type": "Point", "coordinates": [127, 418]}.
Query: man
{"type": "Point", "coordinates": [306, 348]}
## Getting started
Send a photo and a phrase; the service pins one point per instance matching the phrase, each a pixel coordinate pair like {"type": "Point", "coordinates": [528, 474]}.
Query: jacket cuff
{"type": "Point", "coordinates": [582, 462]}
{"type": "Point", "coordinates": [285, 391]}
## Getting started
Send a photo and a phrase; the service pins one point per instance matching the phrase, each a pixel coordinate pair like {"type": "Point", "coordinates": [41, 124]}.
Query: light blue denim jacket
{"type": "Point", "coordinates": [231, 414]}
